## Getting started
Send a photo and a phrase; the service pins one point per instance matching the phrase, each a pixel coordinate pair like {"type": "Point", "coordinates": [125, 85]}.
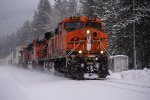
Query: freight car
{"type": "Point", "coordinates": [77, 48]}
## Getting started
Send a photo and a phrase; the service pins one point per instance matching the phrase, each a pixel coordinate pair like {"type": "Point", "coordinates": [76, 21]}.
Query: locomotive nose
{"type": "Point", "coordinates": [92, 37]}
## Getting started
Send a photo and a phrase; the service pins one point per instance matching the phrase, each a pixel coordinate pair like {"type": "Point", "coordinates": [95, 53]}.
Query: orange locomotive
{"type": "Point", "coordinates": [78, 48]}
{"type": "Point", "coordinates": [35, 52]}
{"type": "Point", "coordinates": [25, 55]}
{"type": "Point", "coordinates": [39, 50]}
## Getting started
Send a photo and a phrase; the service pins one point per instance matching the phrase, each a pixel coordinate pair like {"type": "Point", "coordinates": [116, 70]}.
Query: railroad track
{"type": "Point", "coordinates": [106, 82]}
{"type": "Point", "coordinates": [129, 84]}
{"type": "Point", "coordinates": [123, 86]}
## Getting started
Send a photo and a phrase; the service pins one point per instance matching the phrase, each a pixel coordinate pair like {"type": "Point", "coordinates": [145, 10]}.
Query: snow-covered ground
{"type": "Point", "coordinates": [140, 75]}
{"type": "Point", "coordinates": [20, 84]}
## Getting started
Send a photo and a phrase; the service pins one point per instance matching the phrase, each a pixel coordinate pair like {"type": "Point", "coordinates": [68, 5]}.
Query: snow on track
{"type": "Point", "coordinates": [20, 84]}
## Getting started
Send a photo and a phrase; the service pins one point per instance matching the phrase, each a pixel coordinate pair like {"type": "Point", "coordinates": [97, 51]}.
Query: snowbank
{"type": "Point", "coordinates": [139, 75]}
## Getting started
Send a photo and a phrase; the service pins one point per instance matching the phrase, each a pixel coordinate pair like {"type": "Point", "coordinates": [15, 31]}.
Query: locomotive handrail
{"type": "Point", "coordinates": [70, 54]}
{"type": "Point", "coordinates": [72, 50]}
{"type": "Point", "coordinates": [104, 48]}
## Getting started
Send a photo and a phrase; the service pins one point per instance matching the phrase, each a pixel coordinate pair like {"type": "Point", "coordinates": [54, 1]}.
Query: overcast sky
{"type": "Point", "coordinates": [13, 13]}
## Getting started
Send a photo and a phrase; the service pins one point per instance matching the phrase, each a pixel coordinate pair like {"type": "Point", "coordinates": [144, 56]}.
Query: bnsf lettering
{"type": "Point", "coordinates": [83, 38]}
{"type": "Point", "coordinates": [95, 38]}
{"type": "Point", "coordinates": [75, 39]}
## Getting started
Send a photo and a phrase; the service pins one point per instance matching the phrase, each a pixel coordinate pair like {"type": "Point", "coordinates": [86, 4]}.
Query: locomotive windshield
{"type": "Point", "coordinates": [71, 26]}
{"type": "Point", "coordinates": [94, 25]}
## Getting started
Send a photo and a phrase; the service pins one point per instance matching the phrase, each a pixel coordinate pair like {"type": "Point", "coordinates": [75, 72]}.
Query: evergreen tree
{"type": "Point", "coordinates": [142, 12]}
{"type": "Point", "coordinates": [72, 7]}
{"type": "Point", "coordinates": [42, 20]}
{"type": "Point", "coordinates": [89, 7]}
{"type": "Point", "coordinates": [124, 34]}
{"type": "Point", "coordinates": [63, 9]}
{"type": "Point", "coordinates": [60, 10]}
{"type": "Point", "coordinates": [25, 34]}
{"type": "Point", "coordinates": [1, 47]}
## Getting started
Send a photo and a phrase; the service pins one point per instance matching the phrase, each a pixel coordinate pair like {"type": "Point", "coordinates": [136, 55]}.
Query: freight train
{"type": "Point", "coordinates": [77, 48]}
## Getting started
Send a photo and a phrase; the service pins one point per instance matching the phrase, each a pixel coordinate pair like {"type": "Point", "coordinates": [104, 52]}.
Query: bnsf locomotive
{"type": "Point", "coordinates": [77, 48]}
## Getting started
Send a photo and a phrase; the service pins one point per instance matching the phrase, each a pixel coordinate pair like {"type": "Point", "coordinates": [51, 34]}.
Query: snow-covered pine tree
{"type": "Point", "coordinates": [1, 46]}
{"type": "Point", "coordinates": [60, 10]}
{"type": "Point", "coordinates": [7, 45]}
{"type": "Point", "coordinates": [89, 7]}
{"type": "Point", "coordinates": [63, 9]}
{"type": "Point", "coordinates": [72, 7]}
{"type": "Point", "coordinates": [26, 33]}
{"type": "Point", "coordinates": [42, 19]}
{"type": "Point", "coordinates": [18, 37]}
{"type": "Point", "coordinates": [124, 35]}
{"type": "Point", "coordinates": [142, 16]}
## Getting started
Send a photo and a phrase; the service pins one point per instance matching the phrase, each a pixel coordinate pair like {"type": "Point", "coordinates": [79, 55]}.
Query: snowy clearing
{"type": "Point", "coordinates": [21, 84]}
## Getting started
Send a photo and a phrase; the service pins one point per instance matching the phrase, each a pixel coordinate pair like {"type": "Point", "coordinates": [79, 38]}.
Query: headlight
{"type": "Point", "coordinates": [82, 65]}
{"type": "Point", "coordinates": [80, 51]}
{"type": "Point", "coordinates": [102, 52]}
{"type": "Point", "coordinates": [88, 32]}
